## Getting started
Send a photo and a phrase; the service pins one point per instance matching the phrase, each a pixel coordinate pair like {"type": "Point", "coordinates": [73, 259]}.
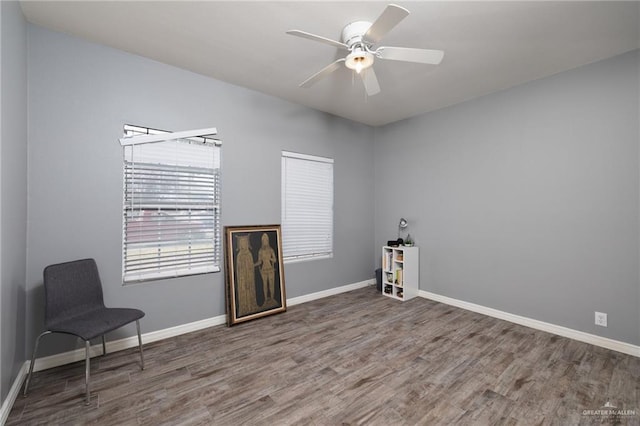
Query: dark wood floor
{"type": "Point", "coordinates": [354, 358]}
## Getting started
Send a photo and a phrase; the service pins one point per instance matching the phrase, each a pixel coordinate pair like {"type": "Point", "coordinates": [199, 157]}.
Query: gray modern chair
{"type": "Point", "coordinates": [74, 305]}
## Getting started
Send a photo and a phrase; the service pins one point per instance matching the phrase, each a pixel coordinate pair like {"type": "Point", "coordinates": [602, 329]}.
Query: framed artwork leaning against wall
{"type": "Point", "coordinates": [254, 272]}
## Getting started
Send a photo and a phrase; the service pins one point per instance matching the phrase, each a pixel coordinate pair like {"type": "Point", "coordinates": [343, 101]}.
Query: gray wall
{"type": "Point", "coordinates": [13, 191]}
{"type": "Point", "coordinates": [81, 94]}
{"type": "Point", "coordinates": [526, 200]}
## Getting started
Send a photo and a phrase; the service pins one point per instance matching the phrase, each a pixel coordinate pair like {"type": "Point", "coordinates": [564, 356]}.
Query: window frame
{"type": "Point", "coordinates": [138, 135]}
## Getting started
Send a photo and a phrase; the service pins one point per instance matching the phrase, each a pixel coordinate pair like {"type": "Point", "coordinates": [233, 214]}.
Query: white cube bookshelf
{"type": "Point", "coordinates": [400, 272]}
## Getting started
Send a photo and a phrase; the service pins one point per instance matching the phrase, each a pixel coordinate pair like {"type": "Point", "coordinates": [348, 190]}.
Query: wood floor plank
{"type": "Point", "coordinates": [356, 358]}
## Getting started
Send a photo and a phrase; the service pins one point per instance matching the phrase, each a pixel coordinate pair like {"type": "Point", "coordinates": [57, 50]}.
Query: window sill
{"type": "Point", "coordinates": [163, 276]}
{"type": "Point", "coordinates": [307, 258]}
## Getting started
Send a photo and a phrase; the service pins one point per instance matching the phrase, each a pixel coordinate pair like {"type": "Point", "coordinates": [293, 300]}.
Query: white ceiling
{"type": "Point", "coordinates": [488, 46]}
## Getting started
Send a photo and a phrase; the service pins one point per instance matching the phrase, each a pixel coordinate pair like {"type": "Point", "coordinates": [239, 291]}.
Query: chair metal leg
{"type": "Point", "coordinates": [104, 346]}
{"type": "Point", "coordinates": [87, 367]}
{"type": "Point", "coordinates": [33, 359]}
{"type": "Point", "coordinates": [140, 344]}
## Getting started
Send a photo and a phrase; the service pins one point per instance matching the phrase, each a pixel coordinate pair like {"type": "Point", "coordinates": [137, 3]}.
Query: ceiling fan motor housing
{"type": "Point", "coordinates": [353, 32]}
{"type": "Point", "coordinates": [360, 57]}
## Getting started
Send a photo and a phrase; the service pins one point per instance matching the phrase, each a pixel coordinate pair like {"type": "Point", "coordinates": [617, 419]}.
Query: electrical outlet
{"type": "Point", "coordinates": [601, 319]}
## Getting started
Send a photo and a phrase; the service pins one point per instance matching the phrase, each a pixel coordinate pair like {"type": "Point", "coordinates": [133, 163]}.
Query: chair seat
{"type": "Point", "coordinates": [97, 322]}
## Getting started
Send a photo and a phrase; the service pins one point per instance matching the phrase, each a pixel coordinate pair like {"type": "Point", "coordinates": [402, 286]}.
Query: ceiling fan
{"type": "Point", "coordinates": [360, 38]}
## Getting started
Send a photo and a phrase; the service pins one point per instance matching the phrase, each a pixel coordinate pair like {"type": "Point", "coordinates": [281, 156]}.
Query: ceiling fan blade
{"type": "Point", "coordinates": [322, 73]}
{"type": "Point", "coordinates": [408, 54]}
{"type": "Point", "coordinates": [370, 81]}
{"type": "Point", "coordinates": [314, 37]}
{"type": "Point", "coordinates": [390, 17]}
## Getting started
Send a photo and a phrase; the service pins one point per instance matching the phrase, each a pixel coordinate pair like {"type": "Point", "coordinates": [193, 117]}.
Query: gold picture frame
{"type": "Point", "coordinates": [254, 272]}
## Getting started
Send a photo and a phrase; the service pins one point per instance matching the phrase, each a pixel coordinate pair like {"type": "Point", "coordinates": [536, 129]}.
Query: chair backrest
{"type": "Point", "coordinates": [71, 288]}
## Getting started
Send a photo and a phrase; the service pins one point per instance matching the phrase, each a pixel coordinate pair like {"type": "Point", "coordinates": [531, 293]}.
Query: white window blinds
{"type": "Point", "coordinates": [307, 206]}
{"type": "Point", "coordinates": [171, 207]}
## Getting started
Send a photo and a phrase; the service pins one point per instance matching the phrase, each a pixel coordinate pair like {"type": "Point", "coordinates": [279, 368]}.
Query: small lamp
{"type": "Point", "coordinates": [402, 225]}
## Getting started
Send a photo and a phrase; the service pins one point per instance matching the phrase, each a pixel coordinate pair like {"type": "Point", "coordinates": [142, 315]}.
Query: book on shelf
{"type": "Point", "coordinates": [399, 256]}
{"type": "Point", "coordinates": [386, 261]}
{"type": "Point", "coordinates": [399, 277]}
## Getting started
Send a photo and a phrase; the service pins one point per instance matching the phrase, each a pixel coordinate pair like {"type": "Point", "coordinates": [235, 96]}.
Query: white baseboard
{"type": "Point", "coordinates": [132, 341]}
{"type": "Point", "coordinates": [7, 404]}
{"type": "Point", "coordinates": [126, 343]}
{"type": "Point", "coordinates": [330, 292]}
{"type": "Point", "coordinates": [581, 336]}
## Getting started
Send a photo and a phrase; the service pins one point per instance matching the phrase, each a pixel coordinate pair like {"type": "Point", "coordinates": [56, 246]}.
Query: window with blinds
{"type": "Point", "coordinates": [307, 206]}
{"type": "Point", "coordinates": [171, 207]}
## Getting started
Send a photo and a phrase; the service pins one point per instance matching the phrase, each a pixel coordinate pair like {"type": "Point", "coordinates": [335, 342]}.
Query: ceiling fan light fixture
{"type": "Point", "coordinates": [359, 60]}
{"type": "Point", "coordinates": [361, 39]}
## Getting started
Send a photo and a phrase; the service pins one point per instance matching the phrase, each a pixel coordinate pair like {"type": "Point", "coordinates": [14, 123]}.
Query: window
{"type": "Point", "coordinates": [171, 207]}
{"type": "Point", "coordinates": [307, 206]}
